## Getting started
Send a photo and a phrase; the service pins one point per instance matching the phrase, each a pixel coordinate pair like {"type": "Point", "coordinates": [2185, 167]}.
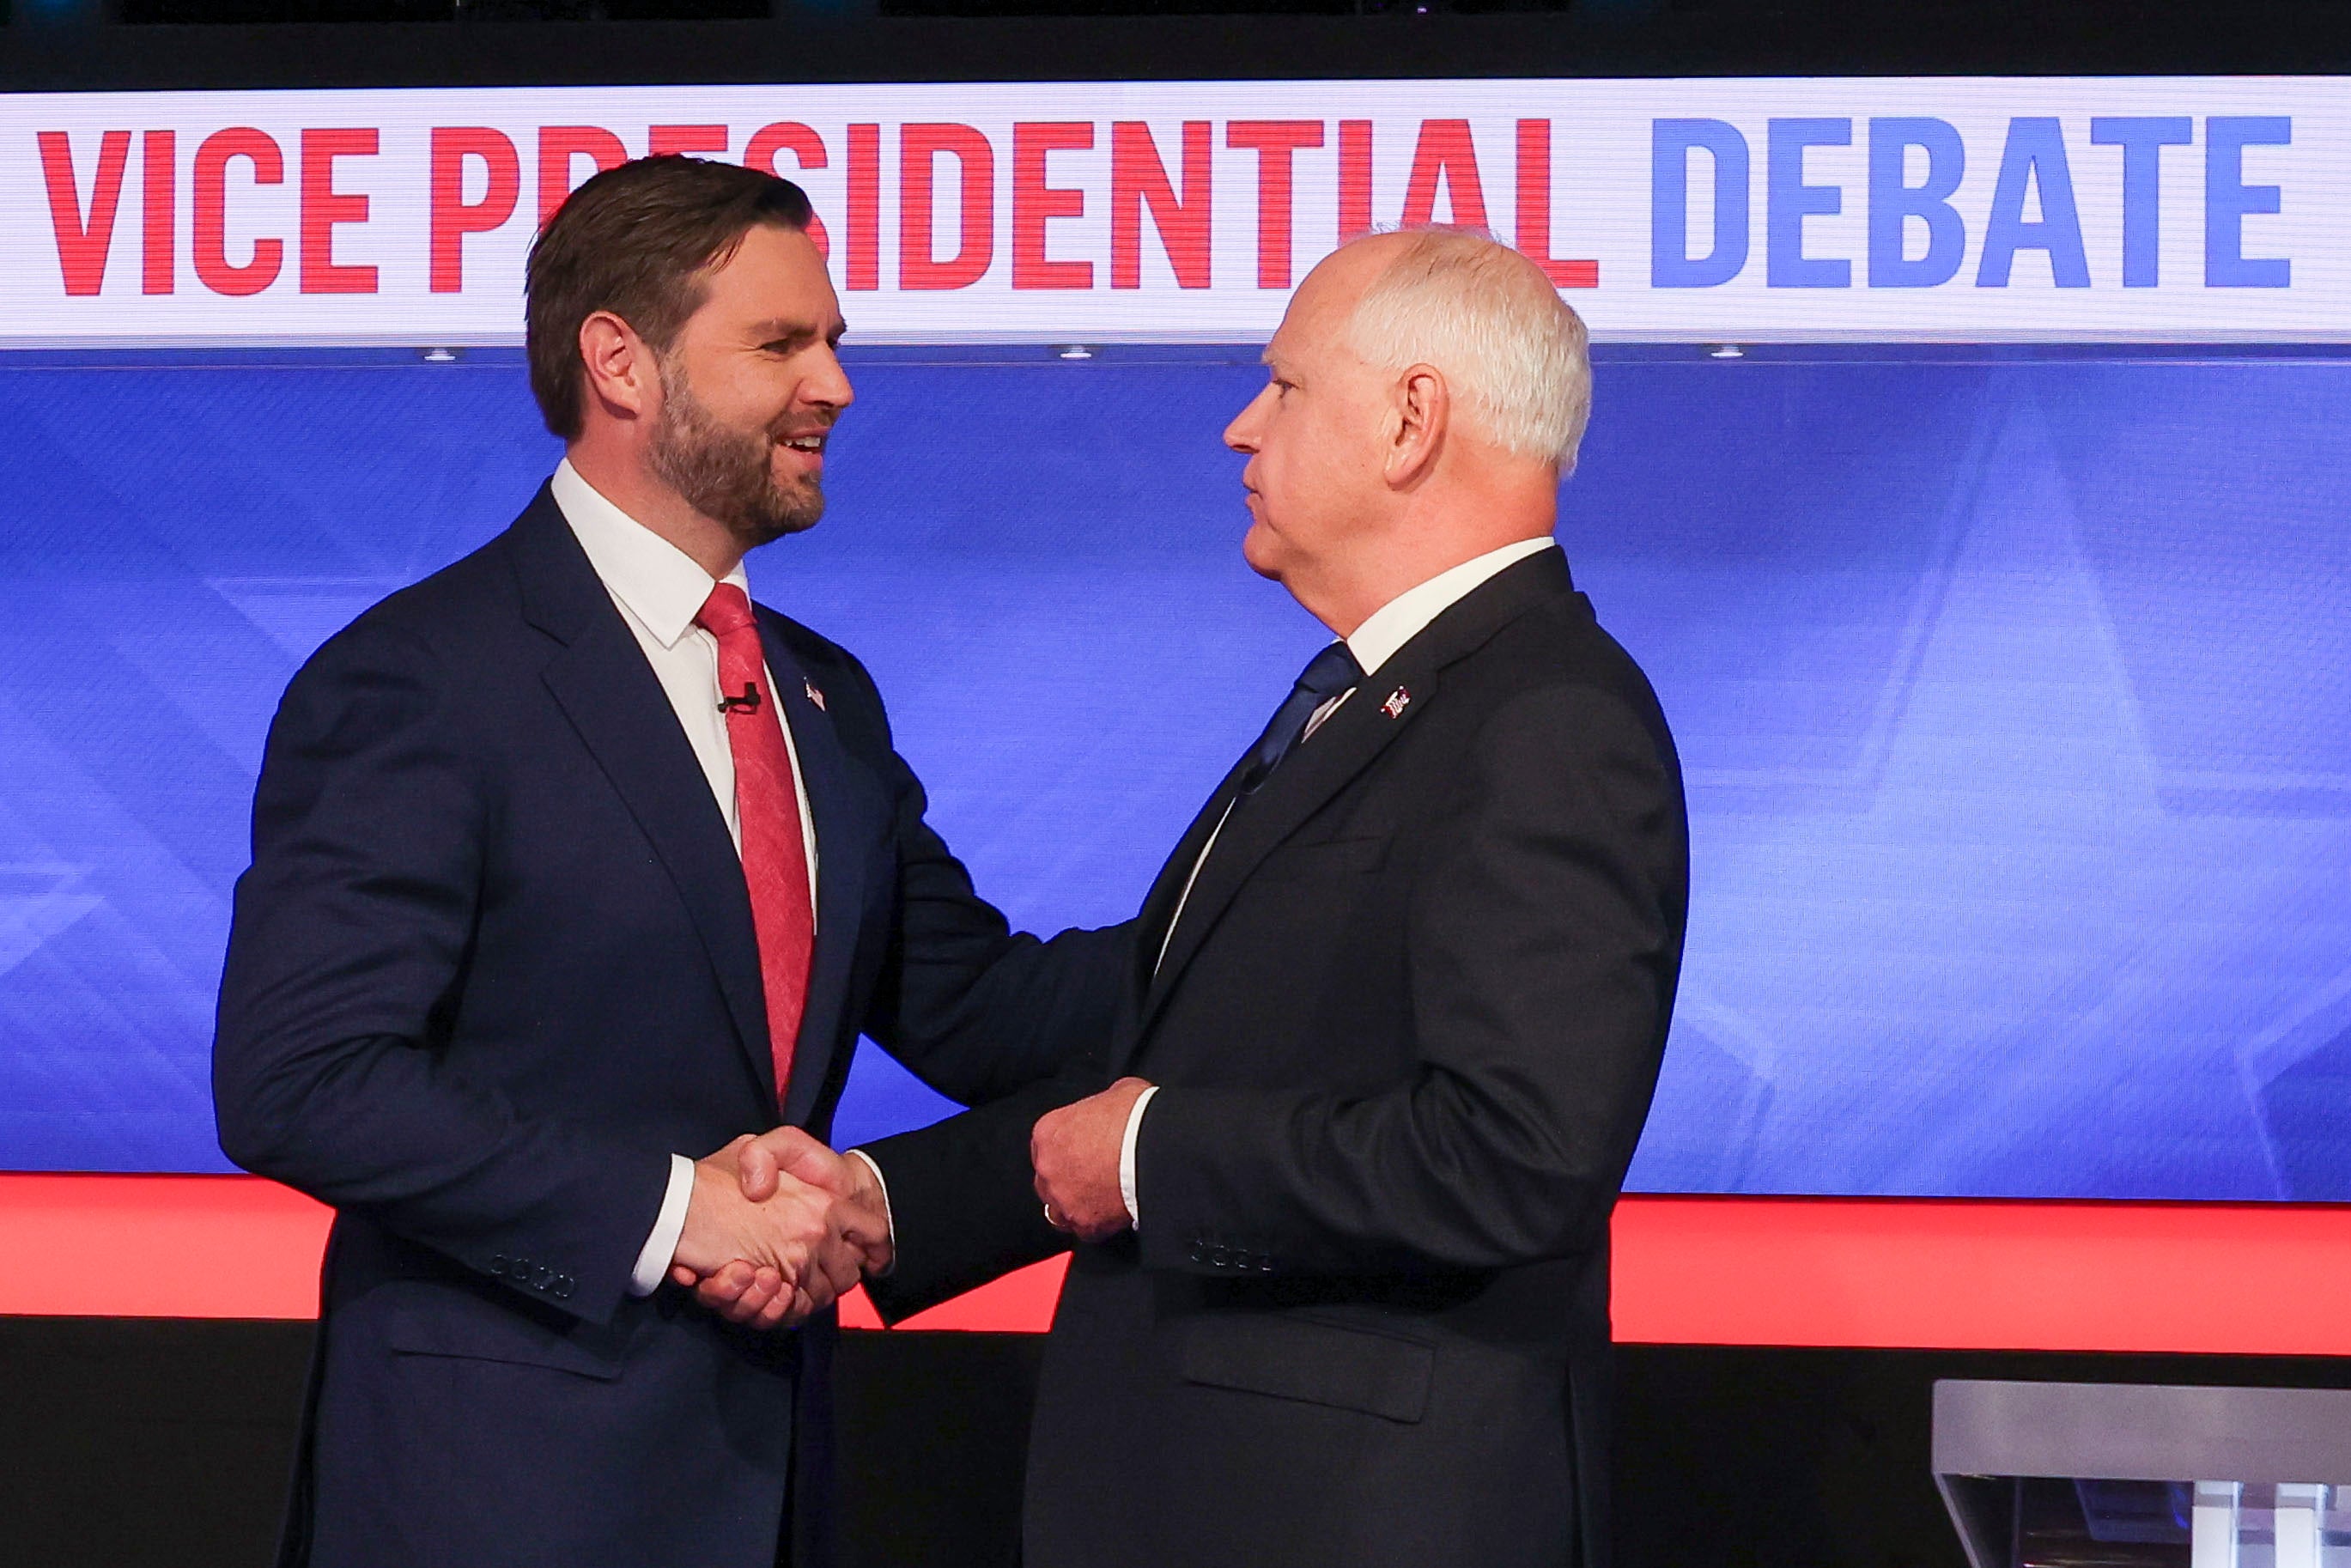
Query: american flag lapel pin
{"type": "Point", "coordinates": [1394, 707]}
{"type": "Point", "coordinates": [814, 695]}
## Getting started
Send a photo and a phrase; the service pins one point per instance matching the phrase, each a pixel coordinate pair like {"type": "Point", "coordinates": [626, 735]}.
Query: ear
{"type": "Point", "coordinates": [1417, 424]}
{"type": "Point", "coordinates": [623, 378]}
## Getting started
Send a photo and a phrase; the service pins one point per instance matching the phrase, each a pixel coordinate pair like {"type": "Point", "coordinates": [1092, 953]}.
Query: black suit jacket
{"type": "Point", "coordinates": [493, 964]}
{"type": "Point", "coordinates": [1408, 1026]}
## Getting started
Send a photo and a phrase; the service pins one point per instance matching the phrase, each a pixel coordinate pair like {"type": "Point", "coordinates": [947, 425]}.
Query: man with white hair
{"type": "Point", "coordinates": [1397, 1005]}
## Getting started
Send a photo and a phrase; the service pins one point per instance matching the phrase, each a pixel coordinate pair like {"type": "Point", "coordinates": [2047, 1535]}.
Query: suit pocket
{"type": "Point", "coordinates": [1320, 1362]}
{"type": "Point", "coordinates": [1327, 857]}
{"type": "Point", "coordinates": [421, 1317]}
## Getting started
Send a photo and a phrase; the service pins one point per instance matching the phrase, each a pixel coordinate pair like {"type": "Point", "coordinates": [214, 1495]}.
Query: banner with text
{"type": "Point", "coordinates": [2172, 210]}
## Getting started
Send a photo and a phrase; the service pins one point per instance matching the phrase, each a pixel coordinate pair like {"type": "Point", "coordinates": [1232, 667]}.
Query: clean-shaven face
{"type": "Point", "coordinates": [751, 388]}
{"type": "Point", "coordinates": [1312, 434]}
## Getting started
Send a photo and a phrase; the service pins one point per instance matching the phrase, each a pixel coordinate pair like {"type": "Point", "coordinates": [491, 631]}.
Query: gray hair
{"type": "Point", "coordinates": [1512, 348]}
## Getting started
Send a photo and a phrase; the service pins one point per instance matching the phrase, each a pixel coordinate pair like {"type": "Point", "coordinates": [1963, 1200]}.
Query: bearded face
{"type": "Point", "coordinates": [747, 480]}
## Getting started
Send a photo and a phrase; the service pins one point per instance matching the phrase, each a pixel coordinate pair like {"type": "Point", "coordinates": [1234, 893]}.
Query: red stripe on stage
{"type": "Point", "coordinates": [2237, 1279]}
{"type": "Point", "coordinates": [158, 1247]}
{"type": "Point", "coordinates": [1951, 1274]}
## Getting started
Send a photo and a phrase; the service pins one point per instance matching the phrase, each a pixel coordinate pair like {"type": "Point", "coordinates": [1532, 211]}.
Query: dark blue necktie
{"type": "Point", "coordinates": [1328, 673]}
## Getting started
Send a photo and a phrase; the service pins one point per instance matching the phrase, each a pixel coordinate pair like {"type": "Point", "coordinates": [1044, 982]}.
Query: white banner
{"type": "Point", "coordinates": [2197, 209]}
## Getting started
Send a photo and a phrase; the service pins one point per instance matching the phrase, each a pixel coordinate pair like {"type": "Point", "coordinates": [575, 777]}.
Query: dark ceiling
{"type": "Point", "coordinates": [130, 43]}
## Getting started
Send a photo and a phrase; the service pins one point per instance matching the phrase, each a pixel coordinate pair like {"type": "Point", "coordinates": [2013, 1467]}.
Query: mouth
{"type": "Point", "coordinates": [807, 447]}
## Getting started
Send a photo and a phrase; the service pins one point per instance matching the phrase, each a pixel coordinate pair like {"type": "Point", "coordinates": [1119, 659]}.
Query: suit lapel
{"type": "Point", "coordinates": [846, 807]}
{"type": "Point", "coordinates": [614, 701]}
{"type": "Point", "coordinates": [1160, 905]}
{"type": "Point", "coordinates": [1166, 894]}
{"type": "Point", "coordinates": [1383, 706]}
{"type": "Point", "coordinates": [1345, 744]}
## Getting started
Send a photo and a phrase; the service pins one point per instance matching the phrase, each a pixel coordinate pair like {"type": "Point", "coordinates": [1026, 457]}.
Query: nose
{"type": "Point", "coordinates": [828, 382]}
{"type": "Point", "coordinates": [1241, 435]}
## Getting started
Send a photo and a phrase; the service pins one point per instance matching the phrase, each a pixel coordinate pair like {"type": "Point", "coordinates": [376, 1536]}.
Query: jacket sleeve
{"type": "Point", "coordinates": [963, 1206]}
{"type": "Point", "coordinates": [349, 946]}
{"type": "Point", "coordinates": [1543, 932]}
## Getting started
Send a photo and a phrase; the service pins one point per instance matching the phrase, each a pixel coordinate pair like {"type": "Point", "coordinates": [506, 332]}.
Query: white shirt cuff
{"type": "Point", "coordinates": [660, 1246]}
{"type": "Point", "coordinates": [1126, 1155]}
{"type": "Point", "coordinates": [889, 1220]}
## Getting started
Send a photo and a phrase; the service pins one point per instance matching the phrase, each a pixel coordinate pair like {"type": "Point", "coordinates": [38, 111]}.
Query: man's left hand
{"type": "Point", "coordinates": [1075, 1151]}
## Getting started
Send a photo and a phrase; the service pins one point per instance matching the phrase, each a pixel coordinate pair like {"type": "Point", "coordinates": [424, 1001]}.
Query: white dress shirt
{"type": "Point", "coordinates": [659, 590]}
{"type": "Point", "coordinates": [1384, 632]}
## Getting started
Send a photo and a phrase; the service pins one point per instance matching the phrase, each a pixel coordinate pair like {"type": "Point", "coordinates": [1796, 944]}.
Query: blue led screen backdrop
{"type": "Point", "coordinates": [2013, 689]}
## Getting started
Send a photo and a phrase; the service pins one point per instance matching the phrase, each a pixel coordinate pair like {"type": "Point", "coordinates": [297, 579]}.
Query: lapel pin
{"type": "Point", "coordinates": [814, 695]}
{"type": "Point", "coordinates": [1394, 707]}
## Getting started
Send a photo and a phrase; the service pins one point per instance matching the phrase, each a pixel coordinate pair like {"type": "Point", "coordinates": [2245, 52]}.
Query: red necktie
{"type": "Point", "coordinates": [768, 811]}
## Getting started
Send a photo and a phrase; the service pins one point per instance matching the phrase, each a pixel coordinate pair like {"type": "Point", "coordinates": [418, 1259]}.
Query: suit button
{"type": "Point", "coordinates": [1199, 1252]}
{"type": "Point", "coordinates": [1222, 1258]}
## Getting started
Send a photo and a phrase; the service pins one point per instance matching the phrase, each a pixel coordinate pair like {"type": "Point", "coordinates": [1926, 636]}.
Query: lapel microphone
{"type": "Point", "coordinates": [748, 703]}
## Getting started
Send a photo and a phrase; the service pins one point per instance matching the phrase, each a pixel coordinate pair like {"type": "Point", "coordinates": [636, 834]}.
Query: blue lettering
{"type": "Point", "coordinates": [2142, 138]}
{"type": "Point", "coordinates": [1894, 202]}
{"type": "Point", "coordinates": [1671, 141]}
{"type": "Point", "coordinates": [2035, 158]}
{"type": "Point", "coordinates": [1789, 201]}
{"type": "Point", "coordinates": [2228, 199]}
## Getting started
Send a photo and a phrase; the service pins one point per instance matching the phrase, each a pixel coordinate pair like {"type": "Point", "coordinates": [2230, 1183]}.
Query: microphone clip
{"type": "Point", "coordinates": [748, 703]}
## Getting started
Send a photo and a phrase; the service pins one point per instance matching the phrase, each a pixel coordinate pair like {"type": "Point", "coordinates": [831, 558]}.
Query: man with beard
{"type": "Point", "coordinates": [571, 865]}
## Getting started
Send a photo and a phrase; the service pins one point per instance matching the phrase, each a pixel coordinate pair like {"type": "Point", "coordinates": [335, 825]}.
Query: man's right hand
{"type": "Point", "coordinates": [787, 1163]}
{"type": "Point", "coordinates": [777, 1226]}
{"type": "Point", "coordinates": [789, 1154]}
{"type": "Point", "coordinates": [775, 1259]}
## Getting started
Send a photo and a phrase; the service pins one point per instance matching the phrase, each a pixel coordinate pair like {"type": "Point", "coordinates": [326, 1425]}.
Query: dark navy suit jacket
{"type": "Point", "coordinates": [492, 965]}
{"type": "Point", "coordinates": [1407, 1028]}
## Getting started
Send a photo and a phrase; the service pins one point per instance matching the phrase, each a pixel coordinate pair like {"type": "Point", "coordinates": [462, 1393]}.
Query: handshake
{"type": "Point", "coordinates": [778, 1227]}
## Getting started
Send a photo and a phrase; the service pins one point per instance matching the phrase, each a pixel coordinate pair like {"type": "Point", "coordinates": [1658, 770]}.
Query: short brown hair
{"type": "Point", "coordinates": [636, 240]}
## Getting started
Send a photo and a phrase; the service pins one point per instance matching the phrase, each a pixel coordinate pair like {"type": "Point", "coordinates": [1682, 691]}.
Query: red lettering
{"type": "Point", "coordinates": [864, 269]}
{"type": "Point", "coordinates": [1354, 179]}
{"type": "Point", "coordinates": [82, 243]}
{"type": "Point", "coordinates": [1138, 179]}
{"type": "Point", "coordinates": [453, 217]}
{"type": "Point", "coordinates": [686, 139]}
{"type": "Point", "coordinates": [1034, 202]}
{"type": "Point", "coordinates": [1446, 152]}
{"type": "Point", "coordinates": [1274, 141]}
{"type": "Point", "coordinates": [918, 265]}
{"type": "Point", "coordinates": [560, 146]}
{"type": "Point", "coordinates": [324, 207]}
{"type": "Point", "coordinates": [211, 179]}
{"type": "Point", "coordinates": [791, 136]}
{"type": "Point", "coordinates": [1533, 234]}
{"type": "Point", "coordinates": [157, 168]}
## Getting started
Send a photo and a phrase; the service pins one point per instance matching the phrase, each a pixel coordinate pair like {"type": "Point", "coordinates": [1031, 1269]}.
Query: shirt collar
{"type": "Point", "coordinates": [1403, 618]}
{"type": "Point", "coordinates": [658, 583]}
